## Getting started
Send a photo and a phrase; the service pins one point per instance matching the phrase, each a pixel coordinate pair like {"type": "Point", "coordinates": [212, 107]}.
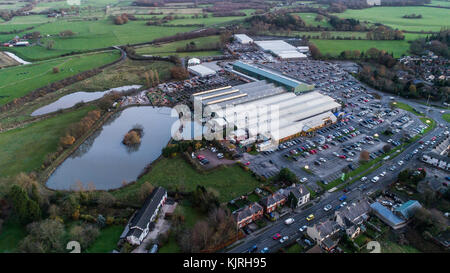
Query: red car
{"type": "Point", "coordinates": [421, 142]}
{"type": "Point", "coordinates": [248, 163]}
{"type": "Point", "coordinates": [276, 236]}
{"type": "Point", "coordinates": [342, 156]}
{"type": "Point", "coordinates": [200, 157]}
{"type": "Point", "coordinates": [311, 152]}
{"type": "Point", "coordinates": [433, 139]}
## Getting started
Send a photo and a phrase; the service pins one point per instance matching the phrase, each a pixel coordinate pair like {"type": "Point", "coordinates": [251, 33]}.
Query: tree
{"type": "Point", "coordinates": [315, 52]}
{"type": "Point", "coordinates": [286, 175]}
{"type": "Point", "coordinates": [145, 190]}
{"type": "Point", "coordinates": [387, 148]}
{"type": "Point", "coordinates": [25, 209]}
{"type": "Point", "coordinates": [49, 44]}
{"type": "Point", "coordinates": [85, 234]}
{"type": "Point", "coordinates": [44, 237]}
{"type": "Point", "coordinates": [179, 73]}
{"type": "Point", "coordinates": [66, 141]}
{"type": "Point", "coordinates": [66, 33]}
{"type": "Point", "coordinates": [364, 156]}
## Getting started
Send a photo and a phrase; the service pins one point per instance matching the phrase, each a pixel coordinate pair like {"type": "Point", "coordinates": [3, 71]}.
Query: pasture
{"type": "Point", "coordinates": [24, 149]}
{"type": "Point", "coordinates": [432, 18]}
{"type": "Point", "coordinates": [335, 47]}
{"type": "Point", "coordinates": [171, 48]}
{"type": "Point", "coordinates": [20, 80]}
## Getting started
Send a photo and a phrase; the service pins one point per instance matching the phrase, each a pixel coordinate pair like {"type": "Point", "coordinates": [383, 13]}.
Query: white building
{"type": "Point", "coordinates": [281, 49]}
{"type": "Point", "coordinates": [139, 226]}
{"type": "Point", "coordinates": [193, 61]}
{"type": "Point", "coordinates": [243, 39]}
{"type": "Point", "coordinates": [201, 70]}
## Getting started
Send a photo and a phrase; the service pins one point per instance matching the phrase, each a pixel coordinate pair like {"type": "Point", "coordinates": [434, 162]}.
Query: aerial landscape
{"type": "Point", "coordinates": [224, 126]}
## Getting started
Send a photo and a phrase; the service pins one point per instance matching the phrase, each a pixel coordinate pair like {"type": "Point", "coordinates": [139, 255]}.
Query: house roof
{"type": "Point", "coordinates": [272, 199]}
{"type": "Point", "coordinates": [386, 214]}
{"type": "Point", "coordinates": [355, 212]}
{"type": "Point", "coordinates": [247, 211]}
{"type": "Point", "coordinates": [142, 217]}
{"type": "Point", "coordinates": [408, 208]}
{"type": "Point", "coordinates": [297, 189]}
{"type": "Point", "coordinates": [326, 228]}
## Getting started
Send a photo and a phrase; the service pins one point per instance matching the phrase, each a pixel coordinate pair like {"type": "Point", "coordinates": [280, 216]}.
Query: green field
{"type": "Point", "coordinates": [432, 18]}
{"type": "Point", "coordinates": [91, 35]}
{"type": "Point", "coordinates": [446, 117]}
{"type": "Point", "coordinates": [335, 47]}
{"type": "Point", "coordinates": [24, 149]}
{"type": "Point", "coordinates": [309, 19]}
{"type": "Point", "coordinates": [230, 182]}
{"type": "Point", "coordinates": [170, 48]}
{"type": "Point", "coordinates": [20, 80]}
{"type": "Point", "coordinates": [107, 240]}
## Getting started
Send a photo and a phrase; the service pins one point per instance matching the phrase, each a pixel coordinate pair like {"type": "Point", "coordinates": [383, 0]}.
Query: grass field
{"type": "Point", "coordinates": [19, 81]}
{"type": "Point", "coordinates": [432, 18]}
{"type": "Point", "coordinates": [446, 117]}
{"type": "Point", "coordinates": [92, 35]}
{"type": "Point", "coordinates": [107, 240]}
{"type": "Point", "coordinates": [309, 19]}
{"type": "Point", "coordinates": [230, 182]}
{"type": "Point", "coordinates": [24, 149]}
{"type": "Point", "coordinates": [335, 47]}
{"type": "Point", "coordinates": [170, 48]}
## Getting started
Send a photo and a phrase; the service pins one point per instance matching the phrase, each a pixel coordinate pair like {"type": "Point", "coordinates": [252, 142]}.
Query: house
{"type": "Point", "coordinates": [399, 217]}
{"type": "Point", "coordinates": [273, 201]}
{"type": "Point", "coordinates": [299, 192]}
{"type": "Point", "coordinates": [248, 214]}
{"type": "Point", "coordinates": [325, 234]}
{"type": "Point", "coordinates": [139, 226]}
{"type": "Point", "coordinates": [351, 217]}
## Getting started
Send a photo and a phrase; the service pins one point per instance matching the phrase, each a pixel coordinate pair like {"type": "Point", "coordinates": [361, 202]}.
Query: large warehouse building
{"type": "Point", "coordinates": [261, 73]}
{"type": "Point", "coordinates": [281, 49]}
{"type": "Point", "coordinates": [297, 115]}
{"type": "Point", "coordinates": [233, 95]}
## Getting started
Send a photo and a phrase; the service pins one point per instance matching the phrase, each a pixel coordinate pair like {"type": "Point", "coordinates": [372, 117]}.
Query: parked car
{"type": "Point", "coordinates": [310, 217]}
{"type": "Point", "coordinates": [264, 250]}
{"type": "Point", "coordinates": [276, 236]}
{"type": "Point", "coordinates": [327, 207]}
{"type": "Point", "coordinates": [303, 228]}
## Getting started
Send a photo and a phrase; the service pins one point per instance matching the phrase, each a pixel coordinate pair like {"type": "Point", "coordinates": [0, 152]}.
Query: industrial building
{"type": "Point", "coordinates": [281, 49]}
{"type": "Point", "coordinates": [233, 95]}
{"type": "Point", "coordinates": [262, 73]}
{"type": "Point", "coordinates": [201, 70]}
{"type": "Point", "coordinates": [297, 115]}
{"type": "Point", "coordinates": [243, 39]}
{"type": "Point", "coordinates": [252, 115]}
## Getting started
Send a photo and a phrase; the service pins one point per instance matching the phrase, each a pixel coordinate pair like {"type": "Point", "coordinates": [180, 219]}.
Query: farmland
{"type": "Point", "coordinates": [171, 48]}
{"type": "Point", "coordinates": [20, 80]}
{"type": "Point", "coordinates": [334, 47]}
{"type": "Point", "coordinates": [19, 150]}
{"type": "Point", "coordinates": [432, 18]}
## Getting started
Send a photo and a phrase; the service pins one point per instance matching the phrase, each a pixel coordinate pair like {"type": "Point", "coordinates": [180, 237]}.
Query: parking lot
{"type": "Point", "coordinates": [366, 124]}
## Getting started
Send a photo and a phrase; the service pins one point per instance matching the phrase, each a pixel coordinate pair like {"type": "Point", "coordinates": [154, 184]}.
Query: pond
{"type": "Point", "coordinates": [104, 162]}
{"type": "Point", "coordinates": [74, 98]}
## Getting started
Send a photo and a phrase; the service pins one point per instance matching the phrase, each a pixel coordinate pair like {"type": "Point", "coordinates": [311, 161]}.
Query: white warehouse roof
{"type": "Point", "coordinates": [281, 49]}
{"type": "Point", "coordinates": [201, 70]}
{"type": "Point", "coordinates": [243, 39]}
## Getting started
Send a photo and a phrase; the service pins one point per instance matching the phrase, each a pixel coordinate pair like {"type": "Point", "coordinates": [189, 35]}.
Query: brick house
{"type": "Point", "coordinates": [273, 201]}
{"type": "Point", "coordinates": [248, 214]}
